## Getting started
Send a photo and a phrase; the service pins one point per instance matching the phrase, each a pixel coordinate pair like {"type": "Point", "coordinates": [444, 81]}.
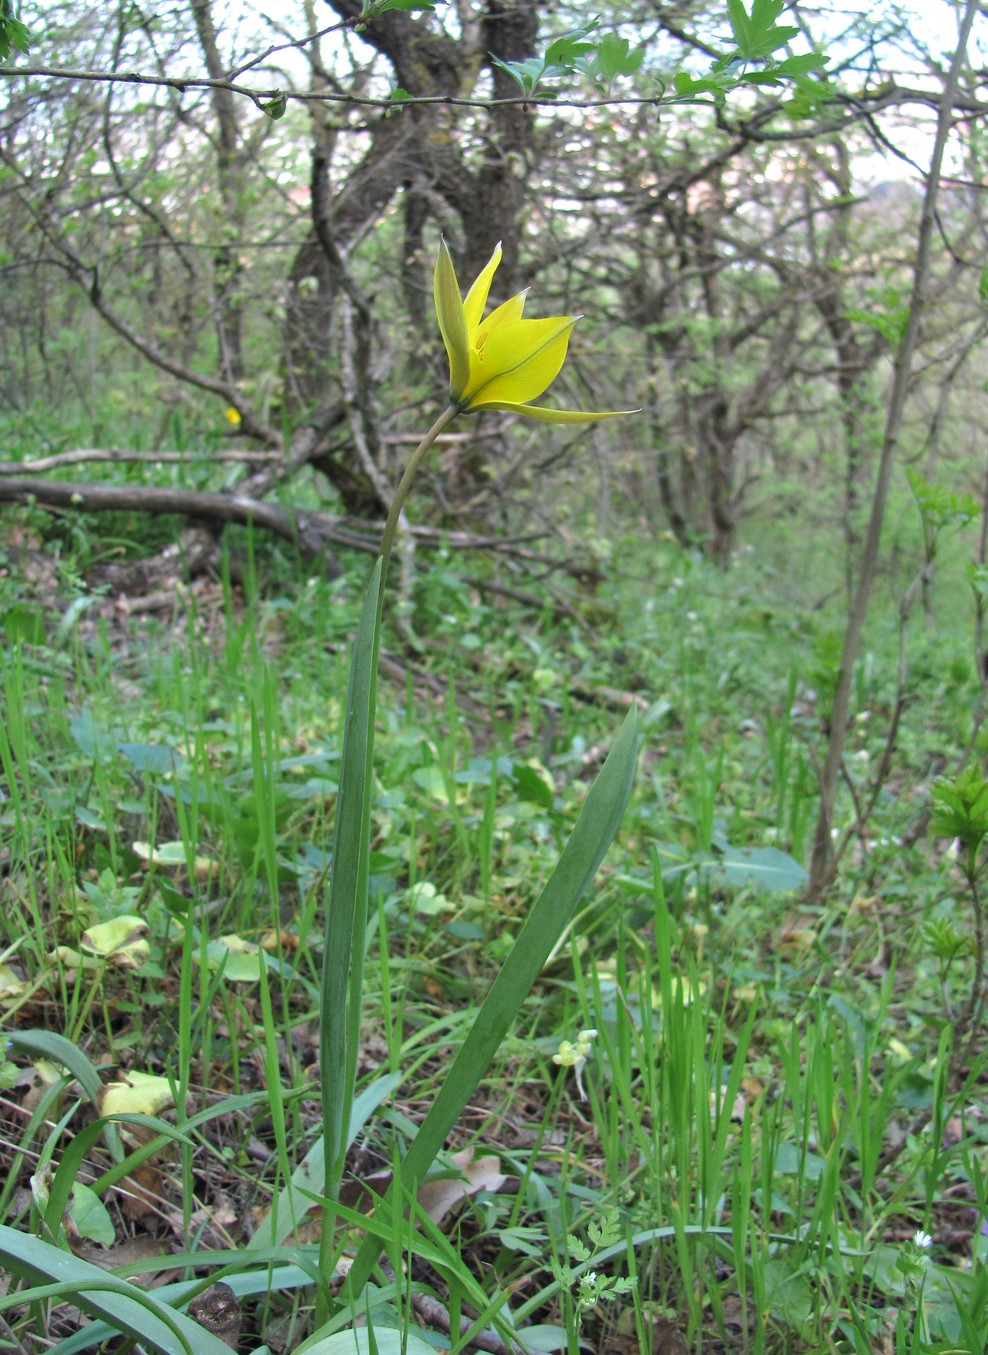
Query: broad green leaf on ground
{"type": "Point", "coordinates": [89, 1216]}
{"type": "Point", "coordinates": [763, 868]}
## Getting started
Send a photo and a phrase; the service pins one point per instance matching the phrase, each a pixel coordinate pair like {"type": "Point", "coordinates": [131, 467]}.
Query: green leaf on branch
{"type": "Point", "coordinates": [275, 108]}
{"type": "Point", "coordinates": [889, 314]}
{"type": "Point", "coordinates": [564, 56]}
{"type": "Point", "coordinates": [793, 69]}
{"type": "Point", "coordinates": [756, 35]}
{"type": "Point", "coordinates": [716, 83]}
{"type": "Point", "coordinates": [740, 23]}
{"type": "Point", "coordinates": [803, 64]}
{"type": "Point", "coordinates": [564, 51]}
{"type": "Point", "coordinates": [13, 34]}
{"type": "Point", "coordinates": [615, 56]}
{"type": "Point", "coordinates": [977, 577]}
{"type": "Point", "coordinates": [409, 6]}
{"type": "Point", "coordinates": [960, 809]}
{"type": "Point", "coordinates": [940, 507]}
{"type": "Point", "coordinates": [526, 74]}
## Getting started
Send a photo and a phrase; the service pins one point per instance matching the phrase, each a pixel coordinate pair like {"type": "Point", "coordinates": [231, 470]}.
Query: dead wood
{"type": "Point", "coordinates": [310, 532]}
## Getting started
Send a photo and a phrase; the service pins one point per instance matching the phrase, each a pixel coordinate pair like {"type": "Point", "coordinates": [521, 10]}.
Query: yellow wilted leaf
{"type": "Point", "coordinates": [121, 942]}
{"type": "Point", "coordinates": [119, 934]}
{"type": "Point", "coordinates": [136, 1094]}
{"type": "Point", "coordinates": [172, 855]}
{"type": "Point", "coordinates": [12, 984]}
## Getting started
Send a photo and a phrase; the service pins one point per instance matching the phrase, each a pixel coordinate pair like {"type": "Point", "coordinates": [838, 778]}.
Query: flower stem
{"type": "Point", "coordinates": [401, 493]}
{"type": "Point", "coordinates": [346, 913]}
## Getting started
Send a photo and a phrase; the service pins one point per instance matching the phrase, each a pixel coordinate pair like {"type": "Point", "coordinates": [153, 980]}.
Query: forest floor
{"type": "Point", "coordinates": [766, 1131]}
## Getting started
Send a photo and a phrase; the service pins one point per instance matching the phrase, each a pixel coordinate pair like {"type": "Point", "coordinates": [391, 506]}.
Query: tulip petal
{"type": "Point", "coordinates": [523, 358]}
{"type": "Point", "coordinates": [452, 326]}
{"type": "Point", "coordinates": [508, 310]}
{"type": "Point", "coordinates": [476, 298]}
{"type": "Point", "coordinates": [558, 415]}
{"type": "Point", "coordinates": [503, 361]}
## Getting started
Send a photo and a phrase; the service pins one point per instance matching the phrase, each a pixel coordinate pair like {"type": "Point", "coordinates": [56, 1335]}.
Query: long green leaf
{"type": "Point", "coordinates": [125, 1308]}
{"type": "Point", "coordinates": [372, 1341]}
{"type": "Point", "coordinates": [346, 913]}
{"type": "Point", "coordinates": [269, 1277]}
{"type": "Point", "coordinates": [592, 834]}
{"type": "Point", "coordinates": [47, 1044]}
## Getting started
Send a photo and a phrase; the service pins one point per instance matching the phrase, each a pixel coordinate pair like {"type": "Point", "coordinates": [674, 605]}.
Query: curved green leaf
{"type": "Point", "coordinates": [592, 834]}
{"type": "Point", "coordinates": [124, 1307]}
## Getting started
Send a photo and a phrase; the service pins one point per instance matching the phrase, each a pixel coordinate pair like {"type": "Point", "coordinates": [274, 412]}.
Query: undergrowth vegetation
{"type": "Point", "coordinates": [725, 1117]}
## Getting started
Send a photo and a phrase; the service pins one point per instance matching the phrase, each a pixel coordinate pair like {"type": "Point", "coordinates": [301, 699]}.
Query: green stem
{"type": "Point", "coordinates": [346, 914]}
{"type": "Point", "coordinates": [401, 493]}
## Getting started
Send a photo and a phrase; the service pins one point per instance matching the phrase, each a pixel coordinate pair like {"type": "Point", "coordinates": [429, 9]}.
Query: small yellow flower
{"type": "Point", "coordinates": [502, 361]}
{"type": "Point", "coordinates": [232, 415]}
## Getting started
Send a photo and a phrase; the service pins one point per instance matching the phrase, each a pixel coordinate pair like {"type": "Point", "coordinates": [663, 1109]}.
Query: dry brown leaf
{"type": "Point", "coordinates": [438, 1196]}
{"type": "Point", "coordinates": [667, 1339]}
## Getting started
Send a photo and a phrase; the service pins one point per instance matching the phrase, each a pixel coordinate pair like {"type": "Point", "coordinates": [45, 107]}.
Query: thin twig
{"type": "Point", "coordinates": [93, 455]}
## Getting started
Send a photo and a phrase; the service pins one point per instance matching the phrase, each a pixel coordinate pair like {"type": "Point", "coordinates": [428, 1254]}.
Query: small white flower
{"type": "Point", "coordinates": [922, 1240]}
{"type": "Point", "coordinates": [590, 1277]}
{"type": "Point", "coordinates": [570, 1055]}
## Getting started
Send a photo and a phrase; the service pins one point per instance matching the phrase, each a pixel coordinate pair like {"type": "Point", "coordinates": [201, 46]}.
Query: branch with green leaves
{"type": "Point", "coordinates": [583, 55]}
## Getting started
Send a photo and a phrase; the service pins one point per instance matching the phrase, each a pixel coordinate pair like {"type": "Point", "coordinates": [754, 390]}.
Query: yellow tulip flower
{"type": "Point", "coordinates": [501, 361]}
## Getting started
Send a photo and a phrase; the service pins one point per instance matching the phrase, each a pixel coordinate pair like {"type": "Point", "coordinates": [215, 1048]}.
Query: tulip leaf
{"type": "Point", "coordinates": [763, 869]}
{"type": "Point", "coordinates": [592, 834]}
{"type": "Point", "coordinates": [126, 1308]}
{"type": "Point", "coordinates": [372, 1341]}
{"type": "Point", "coordinates": [347, 911]}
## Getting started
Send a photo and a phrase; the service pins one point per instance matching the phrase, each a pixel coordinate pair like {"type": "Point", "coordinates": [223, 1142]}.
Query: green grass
{"type": "Point", "coordinates": [772, 1111]}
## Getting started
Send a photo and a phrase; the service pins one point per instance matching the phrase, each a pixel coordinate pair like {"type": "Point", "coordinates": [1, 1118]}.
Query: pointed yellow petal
{"type": "Point", "coordinates": [452, 326]}
{"type": "Point", "coordinates": [518, 360]}
{"type": "Point", "coordinates": [476, 299]}
{"type": "Point", "coordinates": [508, 310]}
{"type": "Point", "coordinates": [558, 415]}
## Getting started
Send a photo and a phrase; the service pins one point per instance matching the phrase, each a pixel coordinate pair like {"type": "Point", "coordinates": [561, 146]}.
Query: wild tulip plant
{"type": "Point", "coordinates": [498, 361]}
